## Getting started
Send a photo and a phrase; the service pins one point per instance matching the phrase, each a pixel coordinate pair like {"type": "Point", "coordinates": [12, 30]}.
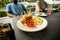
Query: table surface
{"type": "Point", "coordinates": [52, 32]}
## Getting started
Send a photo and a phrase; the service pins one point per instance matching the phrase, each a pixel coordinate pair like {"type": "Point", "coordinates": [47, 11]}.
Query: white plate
{"type": "Point", "coordinates": [40, 13]}
{"type": "Point", "coordinates": [37, 28]}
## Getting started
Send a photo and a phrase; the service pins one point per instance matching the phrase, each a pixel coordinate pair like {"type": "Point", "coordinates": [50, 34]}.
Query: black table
{"type": "Point", "coordinates": [52, 32]}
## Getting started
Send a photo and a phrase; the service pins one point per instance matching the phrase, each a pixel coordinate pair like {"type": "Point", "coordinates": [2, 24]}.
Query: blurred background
{"type": "Point", "coordinates": [29, 4]}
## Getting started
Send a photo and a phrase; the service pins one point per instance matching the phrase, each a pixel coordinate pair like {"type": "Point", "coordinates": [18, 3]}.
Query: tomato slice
{"type": "Point", "coordinates": [30, 24]}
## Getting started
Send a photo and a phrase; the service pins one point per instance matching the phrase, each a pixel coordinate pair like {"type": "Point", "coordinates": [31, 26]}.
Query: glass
{"type": "Point", "coordinates": [49, 10]}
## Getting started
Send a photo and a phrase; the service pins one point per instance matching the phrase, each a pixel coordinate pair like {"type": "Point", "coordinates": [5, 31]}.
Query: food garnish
{"type": "Point", "coordinates": [31, 24]}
